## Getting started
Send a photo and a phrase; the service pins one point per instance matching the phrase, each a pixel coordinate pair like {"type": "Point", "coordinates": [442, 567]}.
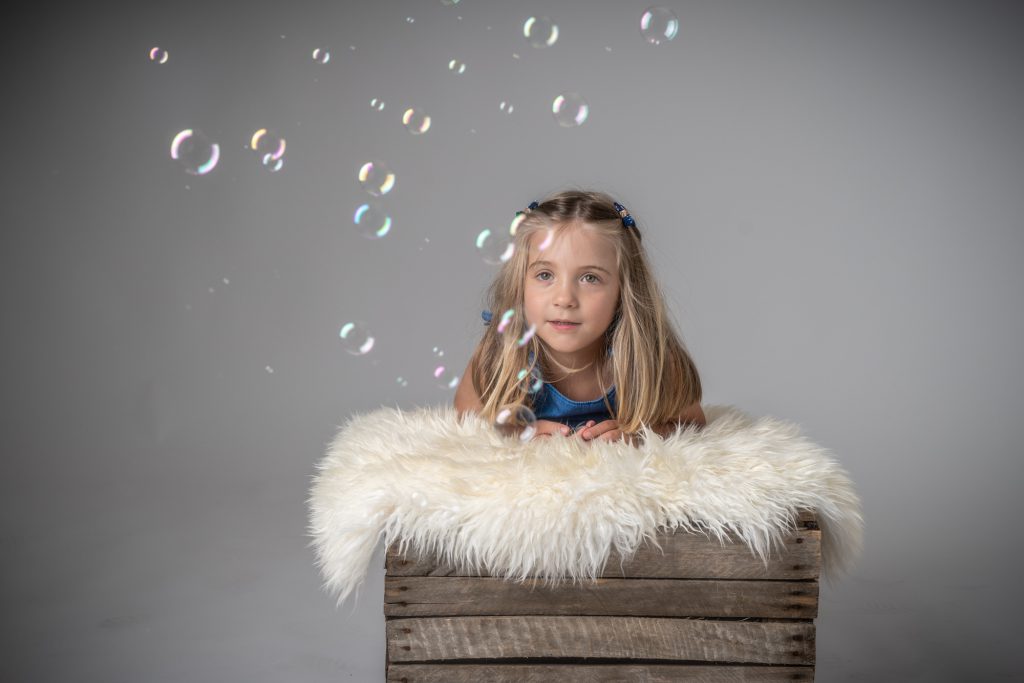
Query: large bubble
{"type": "Point", "coordinates": [376, 178]}
{"type": "Point", "coordinates": [195, 152]}
{"type": "Point", "coordinates": [371, 220]}
{"type": "Point", "coordinates": [356, 338]}
{"type": "Point", "coordinates": [659, 25]}
{"type": "Point", "coordinates": [516, 421]}
{"type": "Point", "coordinates": [570, 109]}
{"type": "Point", "coordinates": [540, 31]}
{"type": "Point", "coordinates": [494, 247]}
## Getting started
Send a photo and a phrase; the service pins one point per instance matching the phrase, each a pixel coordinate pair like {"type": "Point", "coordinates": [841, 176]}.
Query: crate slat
{"type": "Point", "coordinates": [498, 637]}
{"type": "Point", "coordinates": [420, 596]}
{"type": "Point", "coordinates": [595, 673]}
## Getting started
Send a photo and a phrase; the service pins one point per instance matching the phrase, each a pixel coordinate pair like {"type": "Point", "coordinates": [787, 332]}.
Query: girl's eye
{"type": "Point", "coordinates": [596, 278]}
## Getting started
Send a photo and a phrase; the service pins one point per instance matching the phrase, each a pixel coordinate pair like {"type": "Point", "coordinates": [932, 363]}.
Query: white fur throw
{"type": "Point", "coordinates": [553, 508]}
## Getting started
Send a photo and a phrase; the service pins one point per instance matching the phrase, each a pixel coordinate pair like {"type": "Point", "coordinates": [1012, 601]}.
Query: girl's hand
{"type": "Point", "coordinates": [606, 431]}
{"type": "Point", "coordinates": [549, 428]}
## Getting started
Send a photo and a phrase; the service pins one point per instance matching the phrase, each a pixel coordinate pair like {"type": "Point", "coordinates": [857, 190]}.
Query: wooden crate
{"type": "Point", "coordinates": [702, 611]}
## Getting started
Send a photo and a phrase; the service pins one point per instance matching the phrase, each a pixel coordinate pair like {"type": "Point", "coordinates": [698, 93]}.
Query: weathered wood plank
{"type": "Point", "coordinates": [420, 596]}
{"type": "Point", "coordinates": [595, 673]}
{"type": "Point", "coordinates": [702, 640]}
{"type": "Point", "coordinates": [682, 556]}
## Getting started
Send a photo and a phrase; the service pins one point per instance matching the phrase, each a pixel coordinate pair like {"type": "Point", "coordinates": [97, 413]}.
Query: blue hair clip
{"type": "Point", "coordinates": [486, 315]}
{"type": "Point", "coordinates": [627, 220]}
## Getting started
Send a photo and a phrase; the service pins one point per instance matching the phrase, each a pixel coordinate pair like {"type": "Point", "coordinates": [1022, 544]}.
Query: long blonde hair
{"type": "Point", "coordinates": [654, 376]}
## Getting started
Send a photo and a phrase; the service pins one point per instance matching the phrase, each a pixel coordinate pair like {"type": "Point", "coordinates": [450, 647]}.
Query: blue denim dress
{"type": "Point", "coordinates": [550, 404]}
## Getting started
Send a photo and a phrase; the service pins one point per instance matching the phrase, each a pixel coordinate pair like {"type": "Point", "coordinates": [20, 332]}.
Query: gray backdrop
{"type": "Point", "coordinates": [831, 194]}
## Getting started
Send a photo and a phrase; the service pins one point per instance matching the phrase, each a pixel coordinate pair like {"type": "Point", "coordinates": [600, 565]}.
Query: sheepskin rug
{"type": "Point", "coordinates": [554, 508]}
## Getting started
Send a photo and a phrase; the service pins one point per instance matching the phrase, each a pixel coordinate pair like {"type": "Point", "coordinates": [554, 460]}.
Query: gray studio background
{"type": "Point", "coordinates": [830, 192]}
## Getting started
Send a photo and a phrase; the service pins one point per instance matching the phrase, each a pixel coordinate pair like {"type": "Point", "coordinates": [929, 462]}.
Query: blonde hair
{"type": "Point", "coordinates": [654, 376]}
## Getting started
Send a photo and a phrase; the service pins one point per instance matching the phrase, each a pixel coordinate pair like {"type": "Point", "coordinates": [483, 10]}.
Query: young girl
{"type": "Point", "coordinates": [602, 343]}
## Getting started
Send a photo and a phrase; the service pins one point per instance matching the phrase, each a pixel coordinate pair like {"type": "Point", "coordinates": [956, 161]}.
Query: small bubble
{"type": "Point", "coordinates": [269, 370]}
{"type": "Point", "coordinates": [321, 55]}
{"type": "Point", "coordinates": [416, 121]}
{"type": "Point", "coordinates": [158, 55]}
{"type": "Point", "coordinates": [540, 31]}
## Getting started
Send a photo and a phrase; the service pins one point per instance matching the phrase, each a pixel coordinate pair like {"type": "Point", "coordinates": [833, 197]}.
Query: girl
{"type": "Point", "coordinates": [579, 279]}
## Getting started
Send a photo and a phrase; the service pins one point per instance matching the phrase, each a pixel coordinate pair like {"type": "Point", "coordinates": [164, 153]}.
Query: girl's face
{"type": "Point", "coordinates": [573, 279]}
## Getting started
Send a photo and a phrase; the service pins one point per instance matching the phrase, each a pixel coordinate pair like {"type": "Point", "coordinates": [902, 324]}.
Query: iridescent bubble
{"type": "Point", "coordinates": [321, 55]}
{"type": "Point", "coordinates": [376, 178]}
{"type": "Point", "coordinates": [444, 374]}
{"type": "Point", "coordinates": [506, 107]}
{"type": "Point", "coordinates": [193, 150]}
{"type": "Point", "coordinates": [265, 142]}
{"type": "Point", "coordinates": [570, 109]}
{"type": "Point", "coordinates": [355, 338]}
{"type": "Point", "coordinates": [514, 225]}
{"type": "Point", "coordinates": [409, 20]}
{"type": "Point", "coordinates": [546, 238]}
{"type": "Point", "coordinates": [372, 221]}
{"type": "Point", "coordinates": [658, 25]}
{"type": "Point", "coordinates": [158, 55]}
{"type": "Point", "coordinates": [527, 336]}
{"type": "Point", "coordinates": [516, 421]}
{"type": "Point", "coordinates": [271, 164]}
{"type": "Point", "coordinates": [540, 31]}
{"type": "Point", "coordinates": [457, 66]}
{"type": "Point", "coordinates": [377, 104]}
{"type": "Point", "coordinates": [416, 121]}
{"type": "Point", "coordinates": [506, 320]}
{"type": "Point", "coordinates": [402, 382]}
{"type": "Point", "coordinates": [531, 379]}
{"type": "Point", "coordinates": [494, 247]}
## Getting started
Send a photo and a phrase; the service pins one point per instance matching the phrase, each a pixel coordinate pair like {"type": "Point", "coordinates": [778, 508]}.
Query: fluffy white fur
{"type": "Point", "coordinates": [554, 508]}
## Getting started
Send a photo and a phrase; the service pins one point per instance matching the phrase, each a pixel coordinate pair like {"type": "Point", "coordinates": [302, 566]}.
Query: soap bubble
{"type": "Point", "coordinates": [377, 104]}
{"type": "Point", "coordinates": [376, 178]}
{"type": "Point", "coordinates": [355, 338]}
{"type": "Point", "coordinates": [570, 109]}
{"type": "Point", "coordinates": [506, 319]}
{"type": "Point", "coordinates": [527, 336]}
{"type": "Point", "coordinates": [158, 55]}
{"type": "Point", "coordinates": [271, 164]}
{"type": "Point", "coordinates": [457, 67]}
{"type": "Point", "coordinates": [265, 141]}
{"type": "Point", "coordinates": [541, 32]}
{"type": "Point", "coordinates": [321, 55]}
{"type": "Point", "coordinates": [195, 152]}
{"type": "Point", "coordinates": [506, 107]}
{"type": "Point", "coordinates": [658, 25]}
{"type": "Point", "coordinates": [516, 421]}
{"type": "Point", "coordinates": [444, 373]}
{"type": "Point", "coordinates": [531, 379]}
{"type": "Point", "coordinates": [494, 247]}
{"type": "Point", "coordinates": [416, 121]}
{"type": "Point", "coordinates": [372, 221]}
